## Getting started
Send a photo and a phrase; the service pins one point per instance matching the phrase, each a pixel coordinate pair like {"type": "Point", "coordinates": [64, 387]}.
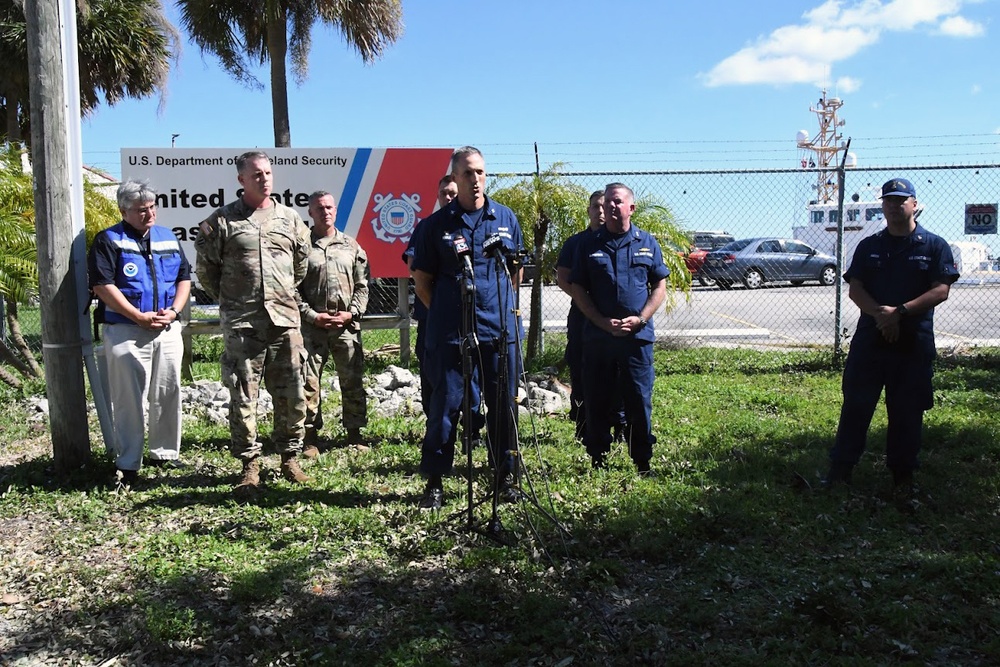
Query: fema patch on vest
{"type": "Point", "coordinates": [131, 270]}
{"type": "Point", "coordinates": [396, 216]}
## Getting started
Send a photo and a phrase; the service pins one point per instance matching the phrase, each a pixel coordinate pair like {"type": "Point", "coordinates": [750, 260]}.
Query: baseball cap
{"type": "Point", "coordinates": [898, 187]}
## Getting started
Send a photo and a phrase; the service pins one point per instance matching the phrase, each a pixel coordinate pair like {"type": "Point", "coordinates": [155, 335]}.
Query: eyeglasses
{"type": "Point", "coordinates": [145, 210]}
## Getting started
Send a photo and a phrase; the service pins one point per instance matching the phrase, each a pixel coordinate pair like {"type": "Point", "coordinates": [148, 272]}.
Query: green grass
{"type": "Point", "coordinates": [729, 556]}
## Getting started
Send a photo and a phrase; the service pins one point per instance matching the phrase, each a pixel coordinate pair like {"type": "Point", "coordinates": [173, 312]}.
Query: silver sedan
{"type": "Point", "coordinates": [757, 261]}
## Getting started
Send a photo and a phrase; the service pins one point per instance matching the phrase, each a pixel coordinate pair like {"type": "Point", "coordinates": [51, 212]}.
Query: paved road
{"type": "Point", "coordinates": [792, 316]}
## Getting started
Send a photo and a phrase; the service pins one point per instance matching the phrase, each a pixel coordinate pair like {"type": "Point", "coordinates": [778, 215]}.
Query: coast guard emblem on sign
{"type": "Point", "coordinates": [395, 217]}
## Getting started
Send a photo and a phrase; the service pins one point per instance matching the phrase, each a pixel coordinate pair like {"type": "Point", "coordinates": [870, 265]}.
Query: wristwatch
{"type": "Point", "coordinates": [902, 310]}
{"type": "Point", "coordinates": [177, 314]}
{"type": "Point", "coordinates": [643, 321]}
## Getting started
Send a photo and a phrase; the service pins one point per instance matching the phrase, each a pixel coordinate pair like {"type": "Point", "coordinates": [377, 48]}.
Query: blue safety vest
{"type": "Point", "coordinates": [149, 282]}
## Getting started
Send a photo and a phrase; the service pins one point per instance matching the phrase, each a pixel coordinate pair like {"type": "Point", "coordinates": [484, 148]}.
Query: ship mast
{"type": "Point", "coordinates": [826, 145]}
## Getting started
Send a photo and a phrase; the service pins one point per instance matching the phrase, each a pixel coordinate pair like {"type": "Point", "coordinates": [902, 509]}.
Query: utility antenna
{"type": "Point", "coordinates": [826, 145]}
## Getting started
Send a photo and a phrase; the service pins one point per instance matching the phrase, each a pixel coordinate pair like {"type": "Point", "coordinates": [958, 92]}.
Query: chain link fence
{"type": "Point", "coordinates": [776, 312]}
{"type": "Point", "coordinates": [761, 305]}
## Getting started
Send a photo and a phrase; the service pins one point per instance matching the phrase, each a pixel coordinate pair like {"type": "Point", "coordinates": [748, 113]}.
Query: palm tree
{"type": "Point", "coordinates": [545, 204]}
{"type": "Point", "coordinates": [245, 34]}
{"type": "Point", "coordinates": [18, 262]}
{"type": "Point", "coordinates": [19, 256]}
{"type": "Point", "coordinates": [125, 49]}
{"type": "Point", "coordinates": [556, 208]}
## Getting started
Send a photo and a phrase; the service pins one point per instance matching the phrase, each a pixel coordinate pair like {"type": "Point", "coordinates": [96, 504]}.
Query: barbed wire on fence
{"type": "Point", "coordinates": [773, 202]}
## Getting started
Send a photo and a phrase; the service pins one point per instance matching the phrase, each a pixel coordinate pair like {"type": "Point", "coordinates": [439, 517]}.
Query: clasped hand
{"type": "Point", "coordinates": [335, 320]}
{"type": "Point", "coordinates": [887, 322]}
{"type": "Point", "coordinates": [157, 321]}
{"type": "Point", "coordinates": [625, 326]}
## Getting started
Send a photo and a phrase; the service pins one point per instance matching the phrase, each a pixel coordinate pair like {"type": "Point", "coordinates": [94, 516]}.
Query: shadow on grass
{"type": "Point", "coordinates": [364, 615]}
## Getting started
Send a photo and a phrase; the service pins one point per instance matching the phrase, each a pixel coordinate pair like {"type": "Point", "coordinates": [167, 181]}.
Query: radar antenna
{"type": "Point", "coordinates": [826, 146]}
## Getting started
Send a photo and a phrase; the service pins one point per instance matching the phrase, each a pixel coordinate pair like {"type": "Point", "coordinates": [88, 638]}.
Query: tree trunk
{"type": "Point", "coordinates": [7, 377]}
{"type": "Point", "coordinates": [277, 51]}
{"type": "Point", "coordinates": [32, 368]}
{"type": "Point", "coordinates": [7, 356]}
{"type": "Point", "coordinates": [57, 280]}
{"type": "Point", "coordinates": [534, 344]}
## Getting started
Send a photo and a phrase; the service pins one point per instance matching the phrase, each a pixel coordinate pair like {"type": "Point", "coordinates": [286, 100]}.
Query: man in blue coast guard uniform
{"type": "Point", "coordinates": [619, 282]}
{"type": "Point", "coordinates": [451, 245]}
{"type": "Point", "coordinates": [575, 319]}
{"type": "Point", "coordinates": [896, 278]}
{"type": "Point", "coordinates": [574, 322]}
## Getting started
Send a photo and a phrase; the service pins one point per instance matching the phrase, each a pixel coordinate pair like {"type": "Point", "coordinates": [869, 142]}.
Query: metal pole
{"type": "Point", "coordinates": [538, 275]}
{"type": "Point", "coordinates": [403, 310]}
{"type": "Point", "coordinates": [838, 311]}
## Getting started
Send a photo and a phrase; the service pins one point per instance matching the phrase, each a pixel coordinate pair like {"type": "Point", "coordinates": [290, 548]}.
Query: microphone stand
{"type": "Point", "coordinates": [505, 410]}
{"type": "Point", "coordinates": [506, 427]}
{"type": "Point", "coordinates": [504, 400]}
{"type": "Point", "coordinates": [468, 346]}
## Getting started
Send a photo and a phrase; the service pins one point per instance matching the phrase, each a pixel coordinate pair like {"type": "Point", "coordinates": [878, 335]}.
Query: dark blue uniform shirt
{"type": "Point", "coordinates": [567, 255]}
{"type": "Point", "coordinates": [419, 309]}
{"type": "Point", "coordinates": [434, 253]}
{"type": "Point", "coordinates": [896, 269]}
{"type": "Point", "coordinates": [619, 272]}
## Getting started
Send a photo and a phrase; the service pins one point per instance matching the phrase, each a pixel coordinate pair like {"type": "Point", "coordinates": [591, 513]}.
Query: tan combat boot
{"type": "Point", "coordinates": [310, 450]}
{"type": "Point", "coordinates": [291, 471]}
{"type": "Point", "coordinates": [355, 440]}
{"type": "Point", "coordinates": [251, 476]}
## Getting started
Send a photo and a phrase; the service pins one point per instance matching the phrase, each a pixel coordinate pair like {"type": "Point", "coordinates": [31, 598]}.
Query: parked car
{"type": "Point", "coordinates": [762, 260]}
{"type": "Point", "coordinates": [701, 244]}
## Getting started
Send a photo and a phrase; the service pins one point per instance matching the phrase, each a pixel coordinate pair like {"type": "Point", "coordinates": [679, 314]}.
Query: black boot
{"type": "Point", "coordinates": [433, 498]}
{"type": "Point", "coordinates": [839, 473]}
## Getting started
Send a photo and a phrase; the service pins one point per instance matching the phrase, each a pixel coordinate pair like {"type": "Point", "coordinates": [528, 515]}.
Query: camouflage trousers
{"type": "Point", "coordinates": [276, 355]}
{"type": "Point", "coordinates": [349, 360]}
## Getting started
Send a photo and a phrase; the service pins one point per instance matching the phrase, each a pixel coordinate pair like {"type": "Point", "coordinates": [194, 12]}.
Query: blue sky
{"type": "Point", "coordinates": [623, 85]}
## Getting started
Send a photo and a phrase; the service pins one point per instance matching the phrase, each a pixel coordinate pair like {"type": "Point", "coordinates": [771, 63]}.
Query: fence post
{"type": "Point", "coordinates": [838, 309]}
{"type": "Point", "coordinates": [538, 269]}
{"type": "Point", "coordinates": [187, 357]}
{"type": "Point", "coordinates": [403, 310]}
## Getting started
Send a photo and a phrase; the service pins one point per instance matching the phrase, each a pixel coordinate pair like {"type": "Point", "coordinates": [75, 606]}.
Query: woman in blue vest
{"type": "Point", "coordinates": [141, 277]}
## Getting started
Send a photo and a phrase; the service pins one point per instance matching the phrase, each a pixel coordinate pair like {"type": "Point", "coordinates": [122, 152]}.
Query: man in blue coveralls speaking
{"type": "Point", "coordinates": [619, 282]}
{"type": "Point", "coordinates": [896, 277]}
{"type": "Point", "coordinates": [453, 246]}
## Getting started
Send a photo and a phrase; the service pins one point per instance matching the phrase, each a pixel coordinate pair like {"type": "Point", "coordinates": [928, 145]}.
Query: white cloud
{"type": "Point", "coordinates": [830, 33]}
{"type": "Point", "coordinates": [848, 84]}
{"type": "Point", "coordinates": [957, 26]}
{"type": "Point", "coordinates": [976, 89]}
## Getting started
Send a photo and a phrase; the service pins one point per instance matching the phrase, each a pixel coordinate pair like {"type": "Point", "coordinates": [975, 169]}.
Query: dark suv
{"type": "Point", "coordinates": [701, 244]}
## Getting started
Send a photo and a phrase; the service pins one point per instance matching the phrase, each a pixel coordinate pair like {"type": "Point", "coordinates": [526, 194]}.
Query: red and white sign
{"type": "Point", "coordinates": [980, 218]}
{"type": "Point", "coordinates": [380, 192]}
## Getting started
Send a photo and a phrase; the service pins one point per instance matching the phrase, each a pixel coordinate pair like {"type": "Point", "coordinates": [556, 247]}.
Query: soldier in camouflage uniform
{"type": "Point", "coordinates": [252, 254]}
{"type": "Point", "coordinates": [334, 298]}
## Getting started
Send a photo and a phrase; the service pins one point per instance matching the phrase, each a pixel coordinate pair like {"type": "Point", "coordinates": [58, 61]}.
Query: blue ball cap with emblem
{"type": "Point", "coordinates": [898, 187]}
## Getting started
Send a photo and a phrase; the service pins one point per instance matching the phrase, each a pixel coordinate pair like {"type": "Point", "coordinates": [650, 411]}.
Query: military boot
{"type": "Point", "coordinates": [251, 476]}
{"type": "Point", "coordinates": [291, 471]}
{"type": "Point", "coordinates": [310, 448]}
{"type": "Point", "coordinates": [356, 441]}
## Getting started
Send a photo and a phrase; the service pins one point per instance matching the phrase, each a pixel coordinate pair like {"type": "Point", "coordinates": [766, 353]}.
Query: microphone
{"type": "Point", "coordinates": [462, 252]}
{"type": "Point", "coordinates": [493, 247]}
